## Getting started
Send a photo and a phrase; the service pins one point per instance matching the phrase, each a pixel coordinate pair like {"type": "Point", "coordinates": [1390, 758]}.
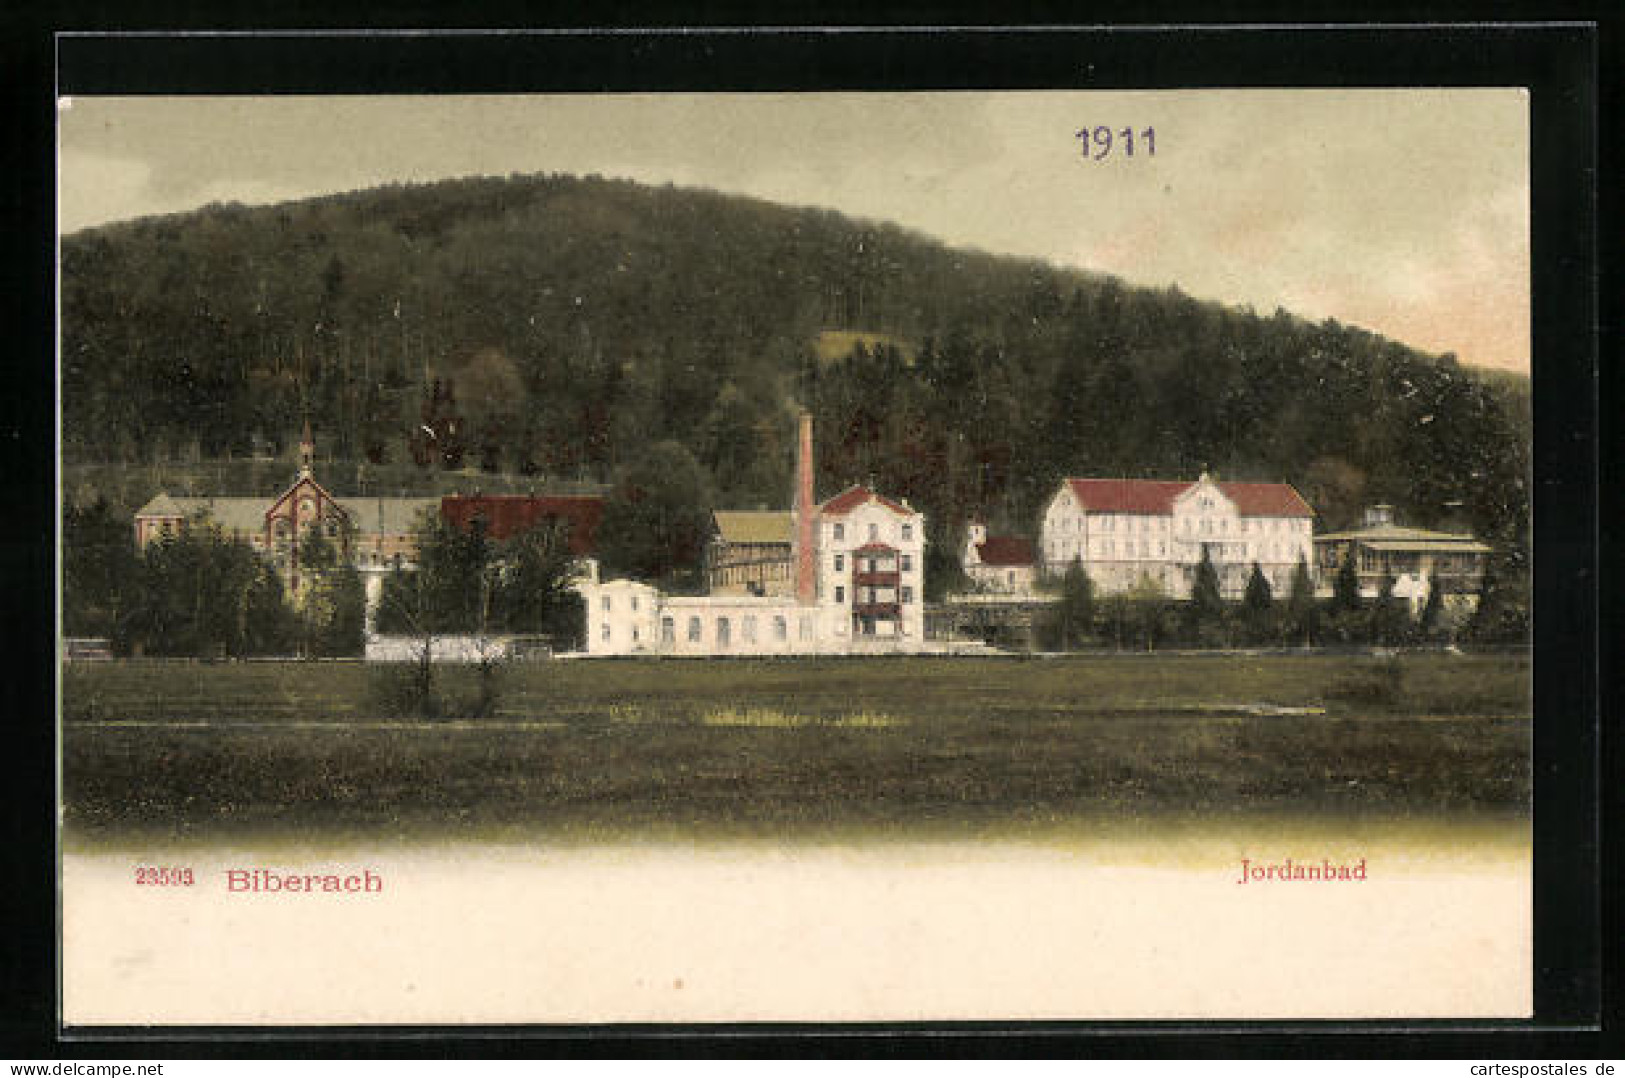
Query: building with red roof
{"type": "Point", "coordinates": [842, 576]}
{"type": "Point", "coordinates": [870, 552]}
{"type": "Point", "coordinates": [507, 515]}
{"type": "Point", "coordinates": [1150, 534]}
{"type": "Point", "coordinates": [999, 564]}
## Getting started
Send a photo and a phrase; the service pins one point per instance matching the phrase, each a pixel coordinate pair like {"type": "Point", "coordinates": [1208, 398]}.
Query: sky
{"type": "Point", "coordinates": [1402, 211]}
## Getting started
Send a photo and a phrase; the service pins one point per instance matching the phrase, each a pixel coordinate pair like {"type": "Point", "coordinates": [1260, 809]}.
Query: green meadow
{"type": "Point", "coordinates": [909, 746]}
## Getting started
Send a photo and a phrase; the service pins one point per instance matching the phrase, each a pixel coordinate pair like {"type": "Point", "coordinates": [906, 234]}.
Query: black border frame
{"type": "Point", "coordinates": [1557, 61]}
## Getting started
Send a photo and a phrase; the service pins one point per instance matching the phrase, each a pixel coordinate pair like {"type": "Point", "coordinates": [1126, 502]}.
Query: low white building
{"type": "Point", "coordinates": [869, 596]}
{"type": "Point", "coordinates": [1128, 533]}
{"type": "Point", "coordinates": [1412, 557]}
{"type": "Point", "coordinates": [858, 575]}
{"type": "Point", "coordinates": [626, 617]}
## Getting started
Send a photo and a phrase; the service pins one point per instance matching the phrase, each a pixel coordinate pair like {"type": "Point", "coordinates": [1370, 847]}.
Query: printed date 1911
{"type": "Point", "coordinates": [1098, 143]}
{"type": "Point", "coordinates": [155, 876]}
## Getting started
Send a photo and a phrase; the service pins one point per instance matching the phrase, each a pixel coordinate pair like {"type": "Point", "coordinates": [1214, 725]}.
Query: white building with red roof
{"type": "Point", "coordinates": [998, 564]}
{"type": "Point", "coordinates": [1129, 533]}
{"type": "Point", "coordinates": [871, 567]}
{"type": "Point", "coordinates": [855, 583]}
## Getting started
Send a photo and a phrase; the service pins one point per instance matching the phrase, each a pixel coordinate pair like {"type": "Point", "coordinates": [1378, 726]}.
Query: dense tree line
{"type": "Point", "coordinates": [603, 330]}
{"type": "Point", "coordinates": [197, 593]}
{"type": "Point", "coordinates": [1146, 618]}
{"type": "Point", "coordinates": [201, 593]}
{"type": "Point", "coordinates": [465, 582]}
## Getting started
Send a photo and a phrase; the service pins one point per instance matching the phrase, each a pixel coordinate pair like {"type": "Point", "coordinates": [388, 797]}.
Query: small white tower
{"type": "Point", "coordinates": [975, 536]}
{"type": "Point", "coordinates": [307, 453]}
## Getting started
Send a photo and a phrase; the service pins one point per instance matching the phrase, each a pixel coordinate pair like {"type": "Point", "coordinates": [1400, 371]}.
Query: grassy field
{"type": "Point", "coordinates": [837, 344]}
{"type": "Point", "coordinates": [919, 746]}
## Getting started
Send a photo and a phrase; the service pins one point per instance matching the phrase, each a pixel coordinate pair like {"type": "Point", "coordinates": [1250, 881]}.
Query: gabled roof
{"type": "Point", "coordinates": [1266, 499]}
{"type": "Point", "coordinates": [1454, 545]}
{"type": "Point", "coordinates": [370, 515]}
{"type": "Point", "coordinates": [507, 515]}
{"type": "Point", "coordinates": [1156, 497]}
{"type": "Point", "coordinates": [162, 505]}
{"type": "Point", "coordinates": [857, 495]}
{"type": "Point", "coordinates": [1395, 537]}
{"type": "Point", "coordinates": [1006, 550]}
{"type": "Point", "coordinates": [754, 526]}
{"type": "Point", "coordinates": [231, 514]}
{"type": "Point", "coordinates": [1151, 496]}
{"type": "Point", "coordinates": [875, 548]}
{"type": "Point", "coordinates": [387, 516]}
{"type": "Point", "coordinates": [304, 480]}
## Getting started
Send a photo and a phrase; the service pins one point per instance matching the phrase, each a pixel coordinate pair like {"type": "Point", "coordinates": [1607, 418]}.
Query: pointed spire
{"type": "Point", "coordinates": [307, 451]}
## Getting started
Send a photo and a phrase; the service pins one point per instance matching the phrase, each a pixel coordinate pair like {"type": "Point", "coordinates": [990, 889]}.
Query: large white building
{"type": "Point", "coordinates": [858, 576]}
{"type": "Point", "coordinates": [871, 566]}
{"type": "Point", "coordinates": [1128, 533]}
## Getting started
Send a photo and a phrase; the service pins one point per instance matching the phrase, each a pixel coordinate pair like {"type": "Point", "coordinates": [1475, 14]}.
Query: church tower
{"type": "Point", "coordinates": [307, 452]}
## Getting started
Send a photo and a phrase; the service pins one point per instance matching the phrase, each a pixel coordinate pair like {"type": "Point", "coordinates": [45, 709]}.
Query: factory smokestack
{"type": "Point", "coordinates": [806, 535]}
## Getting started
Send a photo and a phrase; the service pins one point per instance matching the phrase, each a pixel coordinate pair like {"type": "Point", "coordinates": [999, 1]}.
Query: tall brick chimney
{"type": "Point", "coordinates": [806, 512]}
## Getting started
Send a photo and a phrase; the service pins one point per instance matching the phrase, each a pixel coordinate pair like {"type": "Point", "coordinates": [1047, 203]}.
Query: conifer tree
{"type": "Point", "coordinates": [1301, 619]}
{"type": "Point", "coordinates": [1205, 610]}
{"type": "Point", "coordinates": [1387, 614]}
{"type": "Point", "coordinates": [1346, 587]}
{"type": "Point", "coordinates": [1074, 616]}
{"type": "Point", "coordinates": [1428, 624]}
{"type": "Point", "coordinates": [1258, 608]}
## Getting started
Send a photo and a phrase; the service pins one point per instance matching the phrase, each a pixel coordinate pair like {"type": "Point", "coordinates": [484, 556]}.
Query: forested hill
{"type": "Point", "coordinates": [583, 321]}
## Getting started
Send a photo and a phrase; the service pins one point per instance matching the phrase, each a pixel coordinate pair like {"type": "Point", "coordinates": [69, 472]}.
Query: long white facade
{"type": "Point", "coordinates": [1130, 534]}
{"type": "Point", "coordinates": [868, 561]}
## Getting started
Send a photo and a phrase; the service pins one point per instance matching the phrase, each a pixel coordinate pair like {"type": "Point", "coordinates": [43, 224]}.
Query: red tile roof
{"type": "Point", "coordinates": [1154, 496]}
{"type": "Point", "coordinates": [855, 496]}
{"type": "Point", "coordinates": [1006, 550]}
{"type": "Point", "coordinates": [1266, 500]}
{"type": "Point", "coordinates": [1157, 496]}
{"type": "Point", "coordinates": [507, 515]}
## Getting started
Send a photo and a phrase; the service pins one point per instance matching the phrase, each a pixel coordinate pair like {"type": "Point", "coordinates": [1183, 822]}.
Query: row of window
{"type": "Point", "coordinates": [868, 595]}
{"type": "Point", "coordinates": [1161, 523]}
{"type": "Point", "coordinates": [1232, 579]}
{"type": "Point", "coordinates": [906, 533]}
{"type": "Point", "coordinates": [723, 629]}
{"type": "Point", "coordinates": [283, 528]}
{"type": "Point", "coordinates": [1107, 548]}
{"type": "Point", "coordinates": [1371, 561]}
{"type": "Point", "coordinates": [881, 563]}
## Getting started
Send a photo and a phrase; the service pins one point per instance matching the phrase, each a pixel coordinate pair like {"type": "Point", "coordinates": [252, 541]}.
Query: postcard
{"type": "Point", "coordinates": [808, 556]}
